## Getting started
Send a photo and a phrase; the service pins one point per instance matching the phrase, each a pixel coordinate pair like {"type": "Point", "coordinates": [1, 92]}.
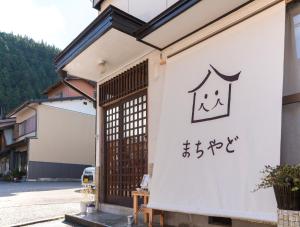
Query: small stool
{"type": "Point", "coordinates": [149, 213]}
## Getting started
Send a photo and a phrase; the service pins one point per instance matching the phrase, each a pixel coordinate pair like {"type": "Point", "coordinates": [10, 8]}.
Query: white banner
{"type": "Point", "coordinates": [221, 122]}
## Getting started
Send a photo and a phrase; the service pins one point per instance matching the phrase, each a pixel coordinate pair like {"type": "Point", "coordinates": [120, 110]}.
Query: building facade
{"type": "Point", "coordinates": [49, 140]}
{"type": "Point", "coordinates": [6, 139]}
{"type": "Point", "coordinates": [60, 89]}
{"type": "Point", "coordinates": [157, 65]}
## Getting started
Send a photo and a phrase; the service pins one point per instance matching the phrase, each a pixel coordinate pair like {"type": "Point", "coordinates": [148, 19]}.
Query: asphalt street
{"type": "Point", "coordinates": [31, 201]}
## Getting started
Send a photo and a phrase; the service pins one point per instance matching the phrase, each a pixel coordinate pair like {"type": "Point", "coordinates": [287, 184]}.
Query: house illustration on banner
{"type": "Point", "coordinates": [211, 98]}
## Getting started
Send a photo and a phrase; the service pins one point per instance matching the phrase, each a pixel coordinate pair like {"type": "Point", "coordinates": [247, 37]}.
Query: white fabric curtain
{"type": "Point", "coordinates": [209, 162]}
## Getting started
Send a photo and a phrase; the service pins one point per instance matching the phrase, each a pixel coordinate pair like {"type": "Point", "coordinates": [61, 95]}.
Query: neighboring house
{"type": "Point", "coordinates": [7, 155]}
{"type": "Point", "coordinates": [55, 136]}
{"type": "Point", "coordinates": [59, 89]}
{"type": "Point", "coordinates": [145, 57]}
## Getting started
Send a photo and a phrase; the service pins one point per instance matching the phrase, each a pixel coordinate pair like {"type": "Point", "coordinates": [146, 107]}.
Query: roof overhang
{"type": "Point", "coordinates": [61, 82]}
{"type": "Point", "coordinates": [110, 38]}
{"type": "Point", "coordinates": [7, 123]}
{"type": "Point", "coordinates": [32, 102]}
{"type": "Point", "coordinates": [18, 143]}
{"type": "Point", "coordinates": [52, 87]}
{"type": "Point", "coordinates": [188, 15]}
{"type": "Point", "coordinates": [4, 153]}
{"type": "Point", "coordinates": [118, 38]}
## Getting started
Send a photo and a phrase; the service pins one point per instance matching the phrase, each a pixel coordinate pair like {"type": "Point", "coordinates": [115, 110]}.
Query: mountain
{"type": "Point", "coordinates": [26, 69]}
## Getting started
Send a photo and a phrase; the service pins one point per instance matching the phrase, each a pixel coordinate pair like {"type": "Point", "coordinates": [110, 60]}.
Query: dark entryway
{"type": "Point", "coordinates": [19, 161]}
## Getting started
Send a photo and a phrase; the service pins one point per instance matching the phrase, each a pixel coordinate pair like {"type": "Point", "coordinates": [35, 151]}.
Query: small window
{"type": "Point", "coordinates": [220, 221]}
{"type": "Point", "coordinates": [58, 95]}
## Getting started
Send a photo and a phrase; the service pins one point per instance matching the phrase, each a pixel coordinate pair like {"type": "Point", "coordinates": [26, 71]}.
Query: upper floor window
{"type": "Point", "coordinates": [59, 94]}
{"type": "Point", "coordinates": [26, 127]}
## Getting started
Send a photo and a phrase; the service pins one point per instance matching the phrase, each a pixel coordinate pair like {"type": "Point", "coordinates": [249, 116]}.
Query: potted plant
{"type": "Point", "coordinates": [285, 180]}
{"type": "Point", "coordinates": [17, 175]}
{"type": "Point", "coordinates": [87, 201]}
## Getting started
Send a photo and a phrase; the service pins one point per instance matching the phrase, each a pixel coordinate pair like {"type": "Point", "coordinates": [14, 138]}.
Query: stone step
{"type": "Point", "coordinates": [101, 219]}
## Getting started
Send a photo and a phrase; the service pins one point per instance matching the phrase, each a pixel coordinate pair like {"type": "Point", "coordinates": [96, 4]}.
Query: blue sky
{"type": "Point", "coordinates": [56, 22]}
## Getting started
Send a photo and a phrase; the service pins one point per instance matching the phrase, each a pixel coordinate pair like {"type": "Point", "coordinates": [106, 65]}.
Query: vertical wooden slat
{"type": "Point", "coordinates": [118, 92]}
{"type": "Point", "coordinates": [125, 83]}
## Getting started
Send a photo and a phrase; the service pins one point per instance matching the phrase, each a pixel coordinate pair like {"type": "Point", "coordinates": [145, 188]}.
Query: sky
{"type": "Point", "coordinates": [56, 22]}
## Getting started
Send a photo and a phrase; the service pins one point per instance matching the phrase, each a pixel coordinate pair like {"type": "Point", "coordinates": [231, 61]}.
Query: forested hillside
{"type": "Point", "coordinates": [26, 69]}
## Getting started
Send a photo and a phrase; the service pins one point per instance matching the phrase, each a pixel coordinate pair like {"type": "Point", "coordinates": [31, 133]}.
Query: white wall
{"type": "Point", "coordinates": [142, 9]}
{"type": "Point", "coordinates": [81, 106]}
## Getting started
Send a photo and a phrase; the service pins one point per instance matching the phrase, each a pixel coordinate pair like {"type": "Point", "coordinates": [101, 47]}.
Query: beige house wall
{"type": "Point", "coordinates": [63, 136]}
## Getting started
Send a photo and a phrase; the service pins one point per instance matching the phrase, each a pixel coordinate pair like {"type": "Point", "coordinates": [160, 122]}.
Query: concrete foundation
{"type": "Point", "coordinates": [288, 218]}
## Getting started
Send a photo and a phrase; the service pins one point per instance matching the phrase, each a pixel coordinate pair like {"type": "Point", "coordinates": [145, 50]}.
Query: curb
{"type": "Point", "coordinates": [38, 221]}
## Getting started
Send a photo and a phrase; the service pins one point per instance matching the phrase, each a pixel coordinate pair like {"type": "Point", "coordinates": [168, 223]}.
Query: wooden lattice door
{"type": "Point", "coordinates": [125, 142]}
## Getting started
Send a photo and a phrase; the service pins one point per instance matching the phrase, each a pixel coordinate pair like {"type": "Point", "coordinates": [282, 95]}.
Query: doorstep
{"type": "Point", "coordinates": [101, 219]}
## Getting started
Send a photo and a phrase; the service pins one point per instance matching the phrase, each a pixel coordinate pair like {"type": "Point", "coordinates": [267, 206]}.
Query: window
{"type": "Point", "coordinates": [58, 95]}
{"type": "Point", "coordinates": [26, 127]}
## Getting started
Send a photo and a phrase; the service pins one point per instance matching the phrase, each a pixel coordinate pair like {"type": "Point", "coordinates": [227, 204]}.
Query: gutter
{"type": "Point", "coordinates": [39, 101]}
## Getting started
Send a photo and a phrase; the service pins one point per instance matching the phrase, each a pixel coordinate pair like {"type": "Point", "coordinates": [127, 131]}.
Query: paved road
{"type": "Point", "coordinates": [30, 201]}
